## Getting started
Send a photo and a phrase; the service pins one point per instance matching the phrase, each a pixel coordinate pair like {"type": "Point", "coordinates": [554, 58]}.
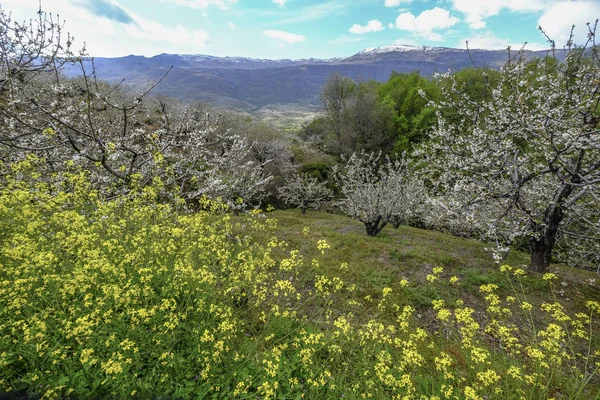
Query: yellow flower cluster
{"type": "Point", "coordinates": [132, 297]}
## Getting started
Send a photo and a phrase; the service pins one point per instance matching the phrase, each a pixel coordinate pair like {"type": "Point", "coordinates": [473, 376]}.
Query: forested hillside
{"type": "Point", "coordinates": [248, 84]}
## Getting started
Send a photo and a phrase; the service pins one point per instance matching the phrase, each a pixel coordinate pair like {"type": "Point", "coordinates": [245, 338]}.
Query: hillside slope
{"type": "Point", "coordinates": [124, 297]}
{"type": "Point", "coordinates": [249, 84]}
{"type": "Point", "coordinates": [412, 253]}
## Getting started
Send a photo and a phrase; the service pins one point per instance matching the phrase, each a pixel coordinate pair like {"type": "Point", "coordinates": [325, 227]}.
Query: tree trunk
{"type": "Point", "coordinates": [541, 249]}
{"type": "Point", "coordinates": [541, 255]}
{"type": "Point", "coordinates": [373, 227]}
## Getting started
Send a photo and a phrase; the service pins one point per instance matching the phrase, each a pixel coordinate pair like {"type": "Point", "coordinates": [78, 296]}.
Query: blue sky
{"type": "Point", "coordinates": [307, 28]}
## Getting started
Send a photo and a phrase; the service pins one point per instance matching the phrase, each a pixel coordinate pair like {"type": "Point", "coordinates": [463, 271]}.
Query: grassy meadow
{"type": "Point", "coordinates": [135, 298]}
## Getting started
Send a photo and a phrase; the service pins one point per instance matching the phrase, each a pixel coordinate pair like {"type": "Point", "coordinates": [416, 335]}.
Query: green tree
{"type": "Point", "coordinates": [359, 118]}
{"type": "Point", "coordinates": [410, 95]}
{"type": "Point", "coordinates": [335, 96]}
{"type": "Point", "coordinates": [370, 121]}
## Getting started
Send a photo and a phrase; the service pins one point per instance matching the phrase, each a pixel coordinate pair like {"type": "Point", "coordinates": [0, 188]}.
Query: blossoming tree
{"type": "Point", "coordinates": [304, 191]}
{"type": "Point", "coordinates": [524, 163]}
{"type": "Point", "coordinates": [112, 132]}
{"type": "Point", "coordinates": [374, 190]}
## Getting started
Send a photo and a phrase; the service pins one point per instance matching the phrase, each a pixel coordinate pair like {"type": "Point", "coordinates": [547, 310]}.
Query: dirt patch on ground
{"type": "Point", "coordinates": [348, 229]}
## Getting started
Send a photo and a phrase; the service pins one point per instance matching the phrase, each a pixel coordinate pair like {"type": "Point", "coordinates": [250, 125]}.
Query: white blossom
{"type": "Point", "coordinates": [524, 163]}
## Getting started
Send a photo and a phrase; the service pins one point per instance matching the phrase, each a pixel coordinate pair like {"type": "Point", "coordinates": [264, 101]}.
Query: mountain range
{"type": "Point", "coordinates": [250, 84]}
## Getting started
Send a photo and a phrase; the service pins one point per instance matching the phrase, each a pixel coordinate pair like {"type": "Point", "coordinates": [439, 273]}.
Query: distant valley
{"type": "Point", "coordinates": [253, 85]}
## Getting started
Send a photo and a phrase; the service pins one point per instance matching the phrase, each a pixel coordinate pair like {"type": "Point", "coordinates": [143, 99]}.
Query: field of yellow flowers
{"type": "Point", "coordinates": [132, 297]}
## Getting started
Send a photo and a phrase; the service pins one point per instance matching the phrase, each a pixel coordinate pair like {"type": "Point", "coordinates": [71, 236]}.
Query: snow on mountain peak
{"type": "Point", "coordinates": [397, 47]}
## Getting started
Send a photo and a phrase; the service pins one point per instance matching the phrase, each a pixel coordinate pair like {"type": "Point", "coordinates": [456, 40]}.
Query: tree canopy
{"type": "Point", "coordinates": [523, 160]}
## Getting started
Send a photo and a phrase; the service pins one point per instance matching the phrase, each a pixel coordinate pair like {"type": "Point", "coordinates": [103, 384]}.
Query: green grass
{"type": "Point", "coordinates": [412, 253]}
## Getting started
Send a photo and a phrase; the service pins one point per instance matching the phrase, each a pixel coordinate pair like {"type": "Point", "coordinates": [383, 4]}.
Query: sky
{"type": "Point", "coordinates": [294, 29]}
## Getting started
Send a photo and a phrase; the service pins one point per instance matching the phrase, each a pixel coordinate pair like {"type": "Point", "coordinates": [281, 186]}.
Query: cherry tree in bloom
{"type": "Point", "coordinates": [305, 191]}
{"type": "Point", "coordinates": [524, 163]}
{"type": "Point", "coordinates": [373, 189]}
{"type": "Point", "coordinates": [112, 132]}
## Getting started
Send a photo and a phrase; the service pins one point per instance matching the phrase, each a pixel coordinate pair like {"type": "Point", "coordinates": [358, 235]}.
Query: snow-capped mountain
{"type": "Point", "coordinates": [208, 61]}
{"type": "Point", "coordinates": [401, 48]}
{"type": "Point", "coordinates": [249, 83]}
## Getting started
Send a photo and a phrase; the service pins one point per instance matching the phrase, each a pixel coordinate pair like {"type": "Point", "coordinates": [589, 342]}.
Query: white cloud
{"type": "Point", "coordinates": [231, 25]}
{"type": "Point", "coordinates": [489, 41]}
{"type": "Point", "coordinates": [477, 11]}
{"type": "Point", "coordinates": [425, 24]}
{"type": "Point", "coordinates": [558, 19]}
{"type": "Point", "coordinates": [202, 4]}
{"type": "Point", "coordinates": [373, 26]}
{"type": "Point", "coordinates": [280, 3]}
{"type": "Point", "coordinates": [152, 31]}
{"type": "Point", "coordinates": [110, 38]}
{"type": "Point", "coordinates": [317, 11]}
{"type": "Point", "coordinates": [406, 41]}
{"type": "Point", "coordinates": [396, 3]}
{"type": "Point", "coordinates": [284, 36]}
{"type": "Point", "coordinates": [345, 39]}
{"type": "Point", "coordinates": [483, 41]}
